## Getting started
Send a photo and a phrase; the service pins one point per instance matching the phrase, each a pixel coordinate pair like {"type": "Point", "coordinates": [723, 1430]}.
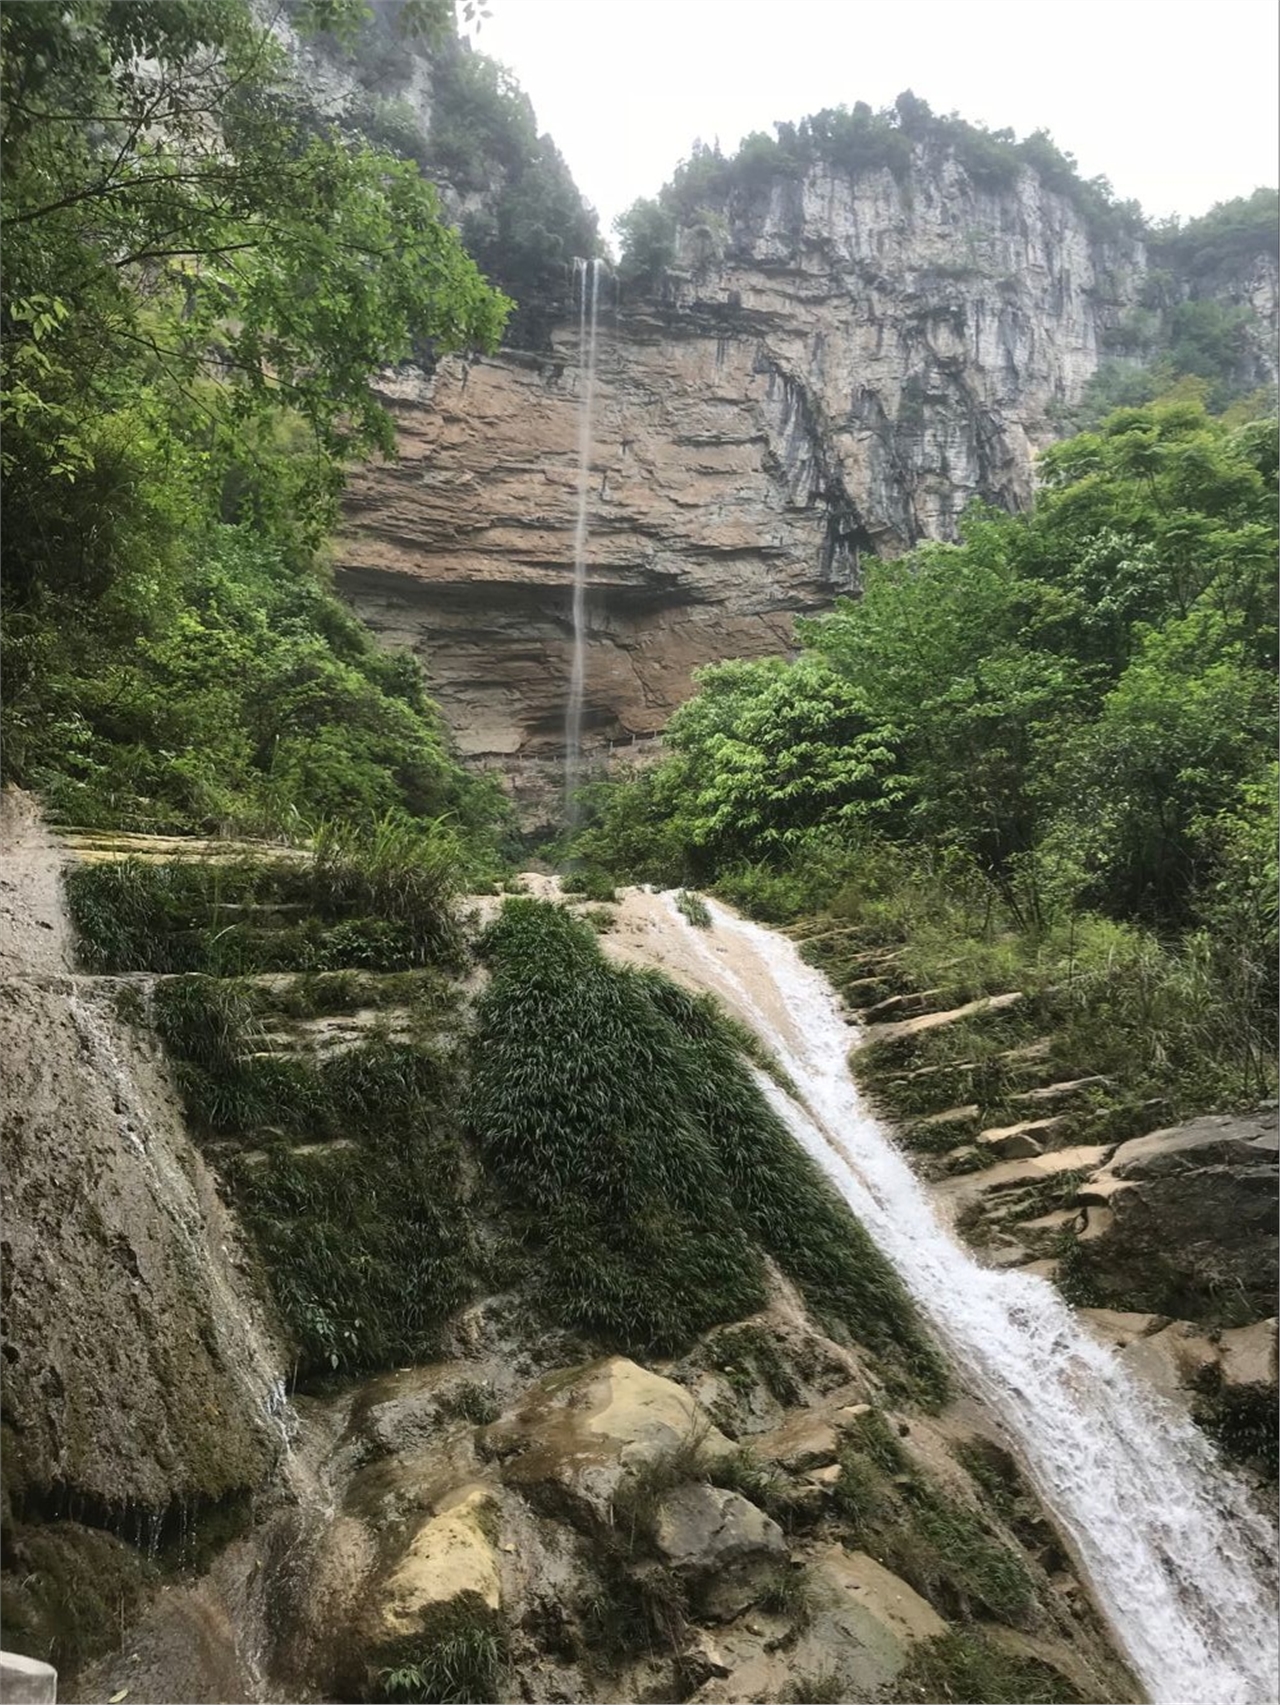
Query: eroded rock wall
{"type": "Point", "coordinates": [838, 374]}
{"type": "Point", "coordinates": [140, 1379]}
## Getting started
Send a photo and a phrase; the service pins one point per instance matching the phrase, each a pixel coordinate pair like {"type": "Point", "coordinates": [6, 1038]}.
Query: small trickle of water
{"type": "Point", "coordinates": [247, 1353]}
{"type": "Point", "coordinates": [587, 279]}
{"type": "Point", "coordinates": [1177, 1557]}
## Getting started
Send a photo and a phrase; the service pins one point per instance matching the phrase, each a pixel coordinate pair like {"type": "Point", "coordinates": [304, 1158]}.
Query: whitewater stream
{"type": "Point", "coordinates": [1177, 1557]}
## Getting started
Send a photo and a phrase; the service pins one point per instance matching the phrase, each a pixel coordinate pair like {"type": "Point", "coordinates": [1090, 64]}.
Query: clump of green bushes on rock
{"type": "Point", "coordinates": [617, 1115]}
{"type": "Point", "coordinates": [378, 896]}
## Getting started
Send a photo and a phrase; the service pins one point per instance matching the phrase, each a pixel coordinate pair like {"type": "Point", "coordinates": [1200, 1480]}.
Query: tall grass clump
{"type": "Point", "coordinates": [133, 915]}
{"type": "Point", "coordinates": [581, 1099]}
{"type": "Point", "coordinates": [967, 1664]}
{"type": "Point", "coordinates": [347, 1169]}
{"type": "Point", "coordinates": [462, 1655]}
{"type": "Point", "coordinates": [377, 897]}
{"type": "Point", "coordinates": [400, 870]}
{"type": "Point", "coordinates": [631, 1138]}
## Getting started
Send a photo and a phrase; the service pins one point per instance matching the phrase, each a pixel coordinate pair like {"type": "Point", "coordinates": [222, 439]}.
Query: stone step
{"type": "Point", "coordinates": [1057, 1221]}
{"type": "Point", "coordinates": [952, 1116]}
{"type": "Point", "coordinates": [877, 1035]}
{"type": "Point", "coordinates": [1014, 1142]}
{"type": "Point", "coordinates": [917, 1001]}
{"type": "Point", "coordinates": [1062, 1091]}
{"type": "Point", "coordinates": [1008, 1176]}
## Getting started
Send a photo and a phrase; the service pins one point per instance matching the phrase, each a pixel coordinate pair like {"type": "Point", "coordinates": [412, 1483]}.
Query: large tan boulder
{"type": "Point", "coordinates": [1248, 1354]}
{"type": "Point", "coordinates": [1171, 1360]}
{"type": "Point", "coordinates": [580, 1433]}
{"type": "Point", "coordinates": [863, 1625]}
{"type": "Point", "coordinates": [450, 1558]}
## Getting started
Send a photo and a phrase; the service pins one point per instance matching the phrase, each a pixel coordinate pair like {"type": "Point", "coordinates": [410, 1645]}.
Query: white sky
{"type": "Point", "coordinates": [1175, 101]}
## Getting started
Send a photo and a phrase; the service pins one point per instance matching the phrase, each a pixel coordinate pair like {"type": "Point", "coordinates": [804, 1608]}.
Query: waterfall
{"type": "Point", "coordinates": [587, 278]}
{"type": "Point", "coordinates": [1178, 1560]}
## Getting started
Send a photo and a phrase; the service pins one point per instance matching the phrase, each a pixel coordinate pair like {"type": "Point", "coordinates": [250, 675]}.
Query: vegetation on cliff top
{"type": "Point", "coordinates": [1178, 328]}
{"type": "Point", "coordinates": [857, 140]}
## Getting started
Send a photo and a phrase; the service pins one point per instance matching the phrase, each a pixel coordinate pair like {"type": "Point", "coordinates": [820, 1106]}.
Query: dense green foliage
{"type": "Point", "coordinates": [1066, 713]}
{"type": "Point", "coordinates": [246, 695]}
{"type": "Point", "coordinates": [642, 1162]}
{"type": "Point", "coordinates": [202, 276]}
{"type": "Point", "coordinates": [533, 221]}
{"type": "Point", "coordinates": [1231, 233]}
{"type": "Point", "coordinates": [345, 1164]}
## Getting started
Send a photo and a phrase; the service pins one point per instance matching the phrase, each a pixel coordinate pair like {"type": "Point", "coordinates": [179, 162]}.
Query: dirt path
{"type": "Point", "coordinates": [35, 936]}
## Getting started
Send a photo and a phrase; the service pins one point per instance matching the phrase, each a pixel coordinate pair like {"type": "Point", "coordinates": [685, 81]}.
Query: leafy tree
{"type": "Point", "coordinates": [168, 194]}
{"type": "Point", "coordinates": [1072, 703]}
{"type": "Point", "coordinates": [202, 279]}
{"type": "Point", "coordinates": [647, 233]}
{"type": "Point", "coordinates": [773, 750]}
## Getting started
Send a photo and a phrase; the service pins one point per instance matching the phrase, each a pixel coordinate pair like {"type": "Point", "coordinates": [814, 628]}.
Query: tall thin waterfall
{"type": "Point", "coordinates": [587, 279]}
{"type": "Point", "coordinates": [1177, 1557]}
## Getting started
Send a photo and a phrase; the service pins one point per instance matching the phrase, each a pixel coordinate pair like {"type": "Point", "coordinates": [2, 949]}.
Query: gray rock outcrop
{"type": "Point", "coordinates": [1184, 1221]}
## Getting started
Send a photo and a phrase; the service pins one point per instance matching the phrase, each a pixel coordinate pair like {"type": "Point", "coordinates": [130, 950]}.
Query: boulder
{"type": "Point", "coordinates": [1248, 1354]}
{"type": "Point", "coordinates": [1120, 1328]}
{"type": "Point", "coordinates": [966, 1115]}
{"type": "Point", "coordinates": [449, 1558]}
{"type": "Point", "coordinates": [862, 1625]}
{"type": "Point", "coordinates": [578, 1433]}
{"type": "Point", "coordinates": [1015, 1142]}
{"type": "Point", "coordinates": [806, 1441]}
{"type": "Point", "coordinates": [721, 1544]}
{"type": "Point", "coordinates": [1185, 1216]}
{"type": "Point", "coordinates": [1172, 1359]}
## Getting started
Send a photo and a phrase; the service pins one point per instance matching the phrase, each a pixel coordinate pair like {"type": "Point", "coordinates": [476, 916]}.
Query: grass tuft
{"type": "Point", "coordinates": [693, 908]}
{"type": "Point", "coordinates": [967, 1665]}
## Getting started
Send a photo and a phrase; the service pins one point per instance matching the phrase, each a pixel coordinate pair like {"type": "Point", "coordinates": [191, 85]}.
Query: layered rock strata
{"type": "Point", "coordinates": [835, 369]}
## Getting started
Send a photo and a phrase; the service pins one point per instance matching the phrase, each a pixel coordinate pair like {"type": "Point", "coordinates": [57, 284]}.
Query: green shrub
{"type": "Point", "coordinates": [591, 882]}
{"type": "Point", "coordinates": [462, 1656]}
{"type": "Point", "coordinates": [789, 1592]}
{"type": "Point", "coordinates": [378, 896]}
{"type": "Point", "coordinates": [693, 908]}
{"type": "Point", "coordinates": [470, 1401]}
{"type": "Point", "coordinates": [581, 1102]}
{"type": "Point", "coordinates": [366, 1229]}
{"type": "Point", "coordinates": [961, 1564]}
{"type": "Point", "coordinates": [625, 1127]}
{"type": "Point", "coordinates": [1241, 1420]}
{"type": "Point", "coordinates": [819, 1687]}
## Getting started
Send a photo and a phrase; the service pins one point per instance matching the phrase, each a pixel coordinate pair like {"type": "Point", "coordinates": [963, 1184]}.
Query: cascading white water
{"type": "Point", "coordinates": [587, 279]}
{"type": "Point", "coordinates": [1177, 1557]}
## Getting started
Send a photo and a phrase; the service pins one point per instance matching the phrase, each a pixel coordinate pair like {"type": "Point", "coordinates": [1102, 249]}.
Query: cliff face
{"type": "Point", "coordinates": [837, 371]}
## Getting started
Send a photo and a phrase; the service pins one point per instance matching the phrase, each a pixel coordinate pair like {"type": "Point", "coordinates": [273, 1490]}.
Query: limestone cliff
{"type": "Point", "coordinates": [837, 367]}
